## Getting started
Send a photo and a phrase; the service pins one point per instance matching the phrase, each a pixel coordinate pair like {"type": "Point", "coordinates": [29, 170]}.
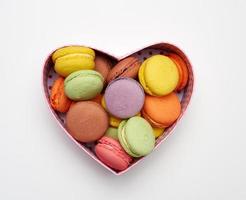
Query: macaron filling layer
{"type": "Point", "coordinates": [124, 143]}
{"type": "Point", "coordinates": [142, 78]}
{"type": "Point", "coordinates": [71, 59]}
{"type": "Point", "coordinates": [83, 73]}
{"type": "Point", "coordinates": [72, 49]}
{"type": "Point", "coordinates": [153, 122]}
{"type": "Point", "coordinates": [125, 68]}
{"type": "Point", "coordinates": [116, 152]}
{"type": "Point", "coordinates": [111, 153]}
{"type": "Point", "coordinates": [139, 136]}
{"type": "Point", "coordinates": [113, 146]}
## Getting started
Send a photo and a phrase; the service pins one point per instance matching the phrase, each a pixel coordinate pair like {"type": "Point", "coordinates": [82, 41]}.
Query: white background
{"type": "Point", "coordinates": [204, 159]}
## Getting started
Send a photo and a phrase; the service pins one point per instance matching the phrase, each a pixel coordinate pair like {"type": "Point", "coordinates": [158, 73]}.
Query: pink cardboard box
{"type": "Point", "coordinates": [160, 48]}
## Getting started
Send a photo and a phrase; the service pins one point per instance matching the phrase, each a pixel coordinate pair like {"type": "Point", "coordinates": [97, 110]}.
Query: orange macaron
{"type": "Point", "coordinates": [58, 99]}
{"type": "Point", "coordinates": [182, 69]}
{"type": "Point", "coordinates": [162, 111]}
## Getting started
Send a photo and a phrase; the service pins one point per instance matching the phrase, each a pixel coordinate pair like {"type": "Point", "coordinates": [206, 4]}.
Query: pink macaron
{"type": "Point", "coordinates": [110, 152]}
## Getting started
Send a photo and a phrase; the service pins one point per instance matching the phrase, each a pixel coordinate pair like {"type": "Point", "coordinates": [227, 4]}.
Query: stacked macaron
{"type": "Point", "coordinates": [123, 108]}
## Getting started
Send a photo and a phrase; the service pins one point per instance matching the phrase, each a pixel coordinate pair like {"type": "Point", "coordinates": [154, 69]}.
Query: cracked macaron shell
{"type": "Point", "coordinates": [83, 85]}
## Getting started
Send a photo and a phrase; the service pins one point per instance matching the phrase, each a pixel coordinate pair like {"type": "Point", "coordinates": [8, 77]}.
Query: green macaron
{"type": "Point", "coordinates": [83, 85]}
{"type": "Point", "coordinates": [112, 133]}
{"type": "Point", "coordinates": [136, 136]}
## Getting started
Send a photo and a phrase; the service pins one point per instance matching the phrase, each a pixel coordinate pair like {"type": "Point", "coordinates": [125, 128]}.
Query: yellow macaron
{"type": "Point", "coordinates": [158, 131]}
{"type": "Point", "coordinates": [158, 75]}
{"type": "Point", "coordinates": [73, 58]}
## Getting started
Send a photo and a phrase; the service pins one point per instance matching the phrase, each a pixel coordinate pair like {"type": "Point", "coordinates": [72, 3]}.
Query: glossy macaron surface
{"type": "Point", "coordinates": [71, 50]}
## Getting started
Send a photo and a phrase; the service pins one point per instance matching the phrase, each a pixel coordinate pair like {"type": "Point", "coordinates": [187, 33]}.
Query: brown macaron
{"type": "Point", "coordinates": [103, 65]}
{"type": "Point", "coordinates": [127, 67]}
{"type": "Point", "coordinates": [87, 121]}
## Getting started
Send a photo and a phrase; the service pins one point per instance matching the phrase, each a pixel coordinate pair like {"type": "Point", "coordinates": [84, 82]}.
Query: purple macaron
{"type": "Point", "coordinates": [124, 97]}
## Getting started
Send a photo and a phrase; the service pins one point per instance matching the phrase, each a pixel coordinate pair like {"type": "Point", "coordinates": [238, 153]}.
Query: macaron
{"type": "Point", "coordinates": [158, 75]}
{"type": "Point", "coordinates": [103, 65]}
{"type": "Point", "coordinates": [113, 121]}
{"type": "Point", "coordinates": [58, 99]}
{"type": "Point", "coordinates": [162, 111]}
{"type": "Point", "coordinates": [112, 132]}
{"type": "Point", "coordinates": [83, 85]}
{"type": "Point", "coordinates": [127, 67]}
{"type": "Point", "coordinates": [158, 131]}
{"type": "Point", "coordinates": [182, 69]}
{"type": "Point", "coordinates": [136, 136]}
{"type": "Point", "coordinates": [97, 99]}
{"type": "Point", "coordinates": [124, 97]}
{"type": "Point", "coordinates": [73, 58]}
{"type": "Point", "coordinates": [86, 121]}
{"type": "Point", "coordinates": [110, 152]}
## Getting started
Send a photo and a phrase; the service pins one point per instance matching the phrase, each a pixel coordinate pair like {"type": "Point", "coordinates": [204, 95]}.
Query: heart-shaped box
{"type": "Point", "coordinates": [160, 48]}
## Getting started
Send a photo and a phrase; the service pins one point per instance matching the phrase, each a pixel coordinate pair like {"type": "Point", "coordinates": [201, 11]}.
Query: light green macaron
{"type": "Point", "coordinates": [112, 133]}
{"type": "Point", "coordinates": [136, 136]}
{"type": "Point", "coordinates": [83, 85]}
